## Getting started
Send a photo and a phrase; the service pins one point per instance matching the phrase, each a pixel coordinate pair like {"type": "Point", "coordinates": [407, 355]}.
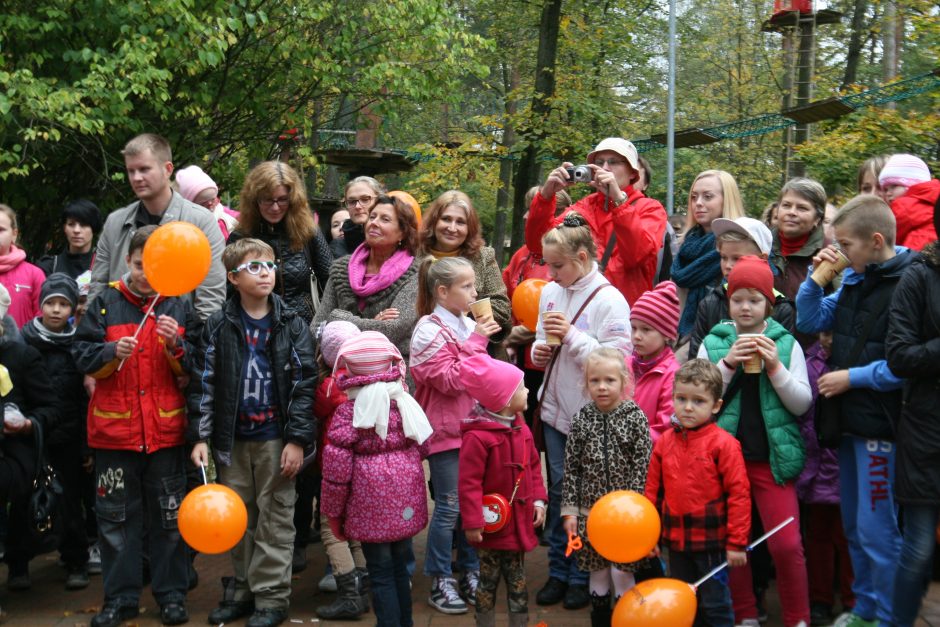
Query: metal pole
{"type": "Point", "coordinates": [671, 111]}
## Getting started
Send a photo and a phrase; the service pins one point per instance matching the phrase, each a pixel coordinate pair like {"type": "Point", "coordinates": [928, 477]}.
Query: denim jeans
{"type": "Point", "coordinates": [133, 486]}
{"type": "Point", "coordinates": [914, 567]}
{"type": "Point", "coordinates": [714, 596]}
{"type": "Point", "coordinates": [559, 566]}
{"type": "Point", "coordinates": [445, 519]}
{"type": "Point", "coordinates": [869, 515]}
{"type": "Point", "coordinates": [391, 586]}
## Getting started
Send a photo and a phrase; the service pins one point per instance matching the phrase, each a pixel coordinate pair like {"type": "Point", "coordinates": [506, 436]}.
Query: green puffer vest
{"type": "Point", "coordinates": [787, 451]}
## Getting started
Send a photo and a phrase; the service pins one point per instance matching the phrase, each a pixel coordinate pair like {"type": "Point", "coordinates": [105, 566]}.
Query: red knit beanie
{"type": "Point", "coordinates": [754, 273]}
{"type": "Point", "coordinates": [659, 308]}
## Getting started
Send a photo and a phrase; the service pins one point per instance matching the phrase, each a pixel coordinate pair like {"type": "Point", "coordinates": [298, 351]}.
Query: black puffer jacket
{"type": "Point", "coordinates": [294, 266]}
{"type": "Point", "coordinates": [215, 387]}
{"type": "Point", "coordinates": [713, 308]}
{"type": "Point", "coordinates": [67, 381]}
{"type": "Point", "coordinates": [913, 347]}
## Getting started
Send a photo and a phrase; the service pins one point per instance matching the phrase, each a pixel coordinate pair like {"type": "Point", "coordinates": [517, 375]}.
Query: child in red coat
{"type": "Point", "coordinates": [498, 456]}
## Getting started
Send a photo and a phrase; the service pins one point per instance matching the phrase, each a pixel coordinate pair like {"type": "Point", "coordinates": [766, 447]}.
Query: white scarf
{"type": "Point", "coordinates": [219, 213]}
{"type": "Point", "coordinates": [373, 403]}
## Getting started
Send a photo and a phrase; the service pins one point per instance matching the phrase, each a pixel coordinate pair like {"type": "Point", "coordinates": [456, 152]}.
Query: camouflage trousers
{"type": "Point", "coordinates": [508, 565]}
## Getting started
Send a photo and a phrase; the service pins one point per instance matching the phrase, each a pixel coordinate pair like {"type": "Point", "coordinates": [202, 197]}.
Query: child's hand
{"type": "Point", "coordinates": [556, 323]}
{"type": "Point", "coordinates": [570, 524]}
{"type": "Point", "coordinates": [539, 516]}
{"type": "Point", "coordinates": [124, 347]}
{"type": "Point", "coordinates": [487, 327]}
{"type": "Point", "coordinates": [826, 254]}
{"type": "Point", "coordinates": [88, 463]}
{"type": "Point", "coordinates": [736, 558]}
{"type": "Point", "coordinates": [200, 455]}
{"type": "Point", "coordinates": [655, 553]}
{"type": "Point", "coordinates": [834, 383]}
{"type": "Point", "coordinates": [89, 382]}
{"type": "Point", "coordinates": [520, 335]}
{"type": "Point", "coordinates": [474, 536]}
{"type": "Point", "coordinates": [740, 351]}
{"type": "Point", "coordinates": [168, 329]}
{"type": "Point", "coordinates": [291, 458]}
{"type": "Point", "coordinates": [541, 353]}
{"type": "Point", "coordinates": [768, 352]}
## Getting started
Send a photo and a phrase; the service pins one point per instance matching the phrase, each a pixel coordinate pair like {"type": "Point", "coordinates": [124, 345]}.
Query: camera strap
{"type": "Point", "coordinates": [609, 250]}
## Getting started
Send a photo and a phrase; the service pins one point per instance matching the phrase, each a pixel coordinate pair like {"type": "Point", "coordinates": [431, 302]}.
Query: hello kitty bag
{"type": "Point", "coordinates": [497, 511]}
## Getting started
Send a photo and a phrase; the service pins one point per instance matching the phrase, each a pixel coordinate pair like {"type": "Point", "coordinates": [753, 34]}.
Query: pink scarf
{"type": "Point", "coordinates": [391, 271]}
{"type": "Point", "coordinates": [12, 259]}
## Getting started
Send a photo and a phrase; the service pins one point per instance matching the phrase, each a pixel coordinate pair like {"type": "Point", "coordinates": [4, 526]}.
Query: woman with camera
{"type": "Point", "coordinates": [627, 226]}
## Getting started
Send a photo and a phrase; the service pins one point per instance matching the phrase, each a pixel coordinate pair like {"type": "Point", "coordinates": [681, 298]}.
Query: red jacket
{"type": "Point", "coordinates": [328, 397]}
{"type": "Point", "coordinates": [914, 214]}
{"type": "Point", "coordinates": [639, 223]}
{"type": "Point", "coordinates": [139, 408]}
{"type": "Point", "coordinates": [491, 458]}
{"type": "Point", "coordinates": [698, 482]}
{"type": "Point", "coordinates": [524, 265]}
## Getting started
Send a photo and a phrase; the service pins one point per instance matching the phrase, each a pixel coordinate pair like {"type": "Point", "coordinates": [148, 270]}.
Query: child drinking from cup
{"type": "Point", "coordinates": [608, 449]}
{"type": "Point", "coordinates": [760, 409]}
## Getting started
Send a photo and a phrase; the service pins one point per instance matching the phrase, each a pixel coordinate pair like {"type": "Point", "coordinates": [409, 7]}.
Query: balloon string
{"type": "Point", "coordinates": [750, 547]}
{"type": "Point", "coordinates": [141, 325]}
{"type": "Point", "coordinates": [202, 468]}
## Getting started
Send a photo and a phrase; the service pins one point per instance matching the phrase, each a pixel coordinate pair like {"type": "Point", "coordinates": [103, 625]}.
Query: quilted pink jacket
{"type": "Point", "coordinates": [376, 486]}
{"type": "Point", "coordinates": [653, 391]}
{"type": "Point", "coordinates": [23, 282]}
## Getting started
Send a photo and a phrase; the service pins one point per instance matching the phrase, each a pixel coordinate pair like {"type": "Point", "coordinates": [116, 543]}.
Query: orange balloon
{"type": "Point", "coordinates": [176, 258]}
{"type": "Point", "coordinates": [410, 200]}
{"type": "Point", "coordinates": [656, 603]}
{"type": "Point", "coordinates": [525, 302]}
{"type": "Point", "coordinates": [623, 526]}
{"type": "Point", "coordinates": [212, 518]}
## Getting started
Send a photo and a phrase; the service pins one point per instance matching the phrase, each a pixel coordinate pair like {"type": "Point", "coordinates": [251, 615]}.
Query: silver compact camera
{"type": "Point", "coordinates": [580, 174]}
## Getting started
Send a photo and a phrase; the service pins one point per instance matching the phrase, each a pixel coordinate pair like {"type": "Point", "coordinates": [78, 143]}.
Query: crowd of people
{"type": "Point", "coordinates": [739, 372]}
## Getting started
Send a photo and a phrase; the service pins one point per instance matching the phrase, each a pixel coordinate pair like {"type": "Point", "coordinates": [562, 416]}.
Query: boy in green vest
{"type": "Point", "coordinates": [766, 387]}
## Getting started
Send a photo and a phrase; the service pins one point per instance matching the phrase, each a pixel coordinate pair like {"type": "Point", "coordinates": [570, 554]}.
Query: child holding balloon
{"type": "Point", "coordinates": [137, 426]}
{"type": "Point", "coordinates": [608, 449]}
{"type": "Point", "coordinates": [252, 398]}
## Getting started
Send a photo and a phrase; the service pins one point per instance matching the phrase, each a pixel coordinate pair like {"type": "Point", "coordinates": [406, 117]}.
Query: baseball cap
{"type": "Point", "coordinates": [755, 230]}
{"type": "Point", "coordinates": [622, 147]}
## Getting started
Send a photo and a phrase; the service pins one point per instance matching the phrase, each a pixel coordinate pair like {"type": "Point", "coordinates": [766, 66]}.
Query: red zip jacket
{"type": "Point", "coordinates": [639, 223]}
{"type": "Point", "coordinates": [327, 399]}
{"type": "Point", "coordinates": [699, 484]}
{"type": "Point", "coordinates": [914, 214]}
{"type": "Point", "coordinates": [140, 408]}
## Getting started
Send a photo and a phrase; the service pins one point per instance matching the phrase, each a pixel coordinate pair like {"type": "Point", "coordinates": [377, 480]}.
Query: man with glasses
{"type": "Point", "coordinates": [628, 227]}
{"type": "Point", "coordinates": [149, 164]}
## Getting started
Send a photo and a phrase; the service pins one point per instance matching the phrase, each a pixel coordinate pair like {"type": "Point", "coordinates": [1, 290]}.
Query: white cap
{"type": "Point", "coordinates": [622, 147]}
{"type": "Point", "coordinates": [756, 230]}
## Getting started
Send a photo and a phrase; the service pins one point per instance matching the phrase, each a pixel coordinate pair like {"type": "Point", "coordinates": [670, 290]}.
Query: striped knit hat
{"type": "Point", "coordinates": [659, 308]}
{"type": "Point", "coordinates": [370, 352]}
{"type": "Point", "coordinates": [906, 170]}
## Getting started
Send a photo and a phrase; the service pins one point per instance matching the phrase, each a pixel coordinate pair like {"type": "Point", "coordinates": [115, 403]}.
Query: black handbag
{"type": "Point", "coordinates": [46, 503]}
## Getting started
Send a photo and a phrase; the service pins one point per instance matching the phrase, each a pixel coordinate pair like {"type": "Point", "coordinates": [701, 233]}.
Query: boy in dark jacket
{"type": "Point", "coordinates": [870, 393]}
{"type": "Point", "coordinates": [137, 427]}
{"type": "Point", "coordinates": [735, 239]}
{"type": "Point", "coordinates": [52, 335]}
{"type": "Point", "coordinates": [251, 396]}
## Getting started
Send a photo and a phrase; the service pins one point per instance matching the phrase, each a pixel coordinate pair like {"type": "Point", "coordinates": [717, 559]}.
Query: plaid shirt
{"type": "Point", "coordinates": [699, 484]}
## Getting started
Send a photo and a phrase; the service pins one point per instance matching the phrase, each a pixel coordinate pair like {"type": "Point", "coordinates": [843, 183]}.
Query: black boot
{"type": "Point", "coordinates": [348, 605]}
{"type": "Point", "coordinates": [600, 610]}
{"type": "Point", "coordinates": [365, 588]}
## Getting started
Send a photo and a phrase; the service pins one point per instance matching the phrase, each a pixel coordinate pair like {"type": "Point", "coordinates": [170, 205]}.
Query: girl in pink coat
{"type": "Point", "coordinates": [655, 322]}
{"type": "Point", "coordinates": [22, 279]}
{"type": "Point", "coordinates": [373, 482]}
{"type": "Point", "coordinates": [443, 340]}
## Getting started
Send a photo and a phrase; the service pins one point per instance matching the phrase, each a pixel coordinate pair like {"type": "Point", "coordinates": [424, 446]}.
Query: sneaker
{"type": "Point", "coordinates": [174, 613]}
{"type": "Point", "coordinates": [94, 559]}
{"type": "Point", "coordinates": [552, 592]}
{"type": "Point", "coordinates": [77, 579]}
{"type": "Point", "coordinates": [820, 614]}
{"type": "Point", "coordinates": [468, 586]}
{"type": "Point", "coordinates": [848, 619]}
{"type": "Point", "coordinates": [444, 597]}
{"type": "Point", "coordinates": [112, 615]}
{"type": "Point", "coordinates": [18, 580]}
{"type": "Point", "coordinates": [328, 583]}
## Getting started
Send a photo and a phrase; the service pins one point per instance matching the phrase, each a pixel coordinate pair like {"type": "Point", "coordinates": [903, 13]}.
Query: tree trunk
{"type": "Point", "coordinates": [510, 83]}
{"type": "Point", "coordinates": [527, 172]}
{"type": "Point", "coordinates": [855, 44]}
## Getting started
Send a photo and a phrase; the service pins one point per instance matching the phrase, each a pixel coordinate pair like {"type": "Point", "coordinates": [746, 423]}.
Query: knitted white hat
{"type": "Point", "coordinates": [904, 170]}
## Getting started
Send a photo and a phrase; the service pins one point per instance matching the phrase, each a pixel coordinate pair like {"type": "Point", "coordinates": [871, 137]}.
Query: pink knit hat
{"type": "Point", "coordinates": [490, 381]}
{"type": "Point", "coordinates": [906, 170]}
{"type": "Point", "coordinates": [332, 337]}
{"type": "Point", "coordinates": [192, 180]}
{"type": "Point", "coordinates": [370, 352]}
{"type": "Point", "coordinates": [659, 308]}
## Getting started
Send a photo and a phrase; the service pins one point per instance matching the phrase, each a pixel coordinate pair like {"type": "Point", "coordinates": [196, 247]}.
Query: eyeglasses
{"type": "Point", "coordinates": [255, 267]}
{"type": "Point", "coordinates": [362, 200]}
{"type": "Point", "coordinates": [283, 201]}
{"type": "Point", "coordinates": [610, 162]}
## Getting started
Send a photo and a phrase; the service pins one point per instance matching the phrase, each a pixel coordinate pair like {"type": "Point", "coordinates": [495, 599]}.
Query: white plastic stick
{"type": "Point", "coordinates": [141, 325]}
{"type": "Point", "coordinates": [202, 467]}
{"type": "Point", "coordinates": [717, 569]}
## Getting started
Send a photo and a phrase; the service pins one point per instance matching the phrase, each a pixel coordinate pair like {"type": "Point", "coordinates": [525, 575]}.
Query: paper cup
{"type": "Point", "coordinates": [827, 270]}
{"type": "Point", "coordinates": [550, 338]}
{"type": "Point", "coordinates": [481, 308]}
{"type": "Point", "coordinates": [754, 363]}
